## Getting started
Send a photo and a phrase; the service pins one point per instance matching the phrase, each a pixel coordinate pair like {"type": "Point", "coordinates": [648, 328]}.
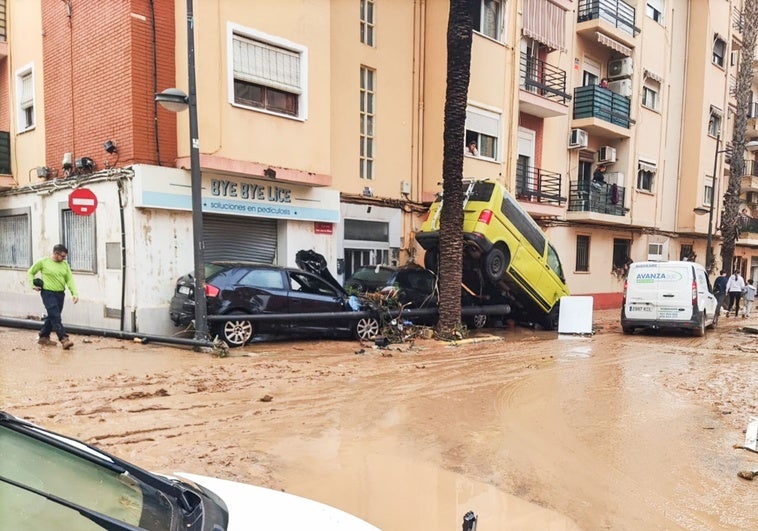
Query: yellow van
{"type": "Point", "coordinates": [509, 248]}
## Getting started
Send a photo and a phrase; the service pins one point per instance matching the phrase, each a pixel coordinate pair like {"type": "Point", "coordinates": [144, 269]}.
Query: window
{"type": "Point", "coordinates": [15, 239]}
{"type": "Point", "coordinates": [25, 98]}
{"type": "Point", "coordinates": [650, 91]}
{"type": "Point", "coordinates": [645, 174]}
{"type": "Point", "coordinates": [483, 127]}
{"type": "Point", "coordinates": [621, 252]}
{"type": "Point", "coordinates": [686, 251]}
{"type": "Point", "coordinates": [654, 10]}
{"type": "Point", "coordinates": [79, 237]}
{"type": "Point", "coordinates": [367, 123]}
{"type": "Point", "coordinates": [714, 122]}
{"type": "Point", "coordinates": [269, 73]}
{"type": "Point", "coordinates": [582, 253]}
{"type": "Point", "coordinates": [708, 191]}
{"type": "Point", "coordinates": [367, 22]}
{"type": "Point", "coordinates": [487, 16]}
{"type": "Point", "coordinates": [719, 51]}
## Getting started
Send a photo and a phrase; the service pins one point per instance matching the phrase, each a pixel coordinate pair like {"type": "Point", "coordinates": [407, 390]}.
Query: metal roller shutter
{"type": "Point", "coordinates": [239, 238]}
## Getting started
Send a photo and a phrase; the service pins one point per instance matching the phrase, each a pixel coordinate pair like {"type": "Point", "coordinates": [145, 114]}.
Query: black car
{"type": "Point", "coordinates": [246, 288]}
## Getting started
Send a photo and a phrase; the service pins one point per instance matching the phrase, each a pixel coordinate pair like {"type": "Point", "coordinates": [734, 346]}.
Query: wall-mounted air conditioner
{"type": "Point", "coordinates": [620, 68]}
{"type": "Point", "coordinates": [657, 251]}
{"type": "Point", "coordinates": [622, 87]}
{"type": "Point", "coordinates": [606, 155]}
{"type": "Point", "coordinates": [752, 110]}
{"type": "Point", "coordinates": [578, 139]}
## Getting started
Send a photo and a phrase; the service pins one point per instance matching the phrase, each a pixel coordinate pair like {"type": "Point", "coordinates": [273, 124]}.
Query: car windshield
{"type": "Point", "coordinates": [374, 274]}
{"type": "Point", "coordinates": [212, 269]}
{"type": "Point", "coordinates": [28, 464]}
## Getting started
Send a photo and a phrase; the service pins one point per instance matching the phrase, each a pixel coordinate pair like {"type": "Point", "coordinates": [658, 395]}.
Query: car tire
{"type": "Point", "coordinates": [550, 321]}
{"type": "Point", "coordinates": [236, 332]}
{"type": "Point", "coordinates": [366, 328]}
{"type": "Point", "coordinates": [700, 330]}
{"type": "Point", "coordinates": [432, 259]}
{"type": "Point", "coordinates": [478, 321]}
{"type": "Point", "coordinates": [628, 330]}
{"type": "Point", "coordinates": [495, 264]}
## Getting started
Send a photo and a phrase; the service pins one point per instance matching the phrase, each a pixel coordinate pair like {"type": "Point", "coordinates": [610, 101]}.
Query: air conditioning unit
{"type": "Point", "coordinates": [657, 251]}
{"type": "Point", "coordinates": [620, 68]}
{"type": "Point", "coordinates": [606, 155]}
{"type": "Point", "coordinates": [752, 110]}
{"type": "Point", "coordinates": [622, 87]}
{"type": "Point", "coordinates": [578, 139]}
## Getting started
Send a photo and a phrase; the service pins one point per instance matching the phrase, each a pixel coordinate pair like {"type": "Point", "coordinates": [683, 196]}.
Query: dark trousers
{"type": "Point", "coordinates": [53, 301]}
{"type": "Point", "coordinates": [719, 302]}
{"type": "Point", "coordinates": [734, 299]}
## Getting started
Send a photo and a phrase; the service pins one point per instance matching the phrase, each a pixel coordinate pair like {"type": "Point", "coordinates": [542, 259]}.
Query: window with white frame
{"type": "Point", "coordinates": [25, 98]}
{"type": "Point", "coordinates": [269, 73]}
{"type": "Point", "coordinates": [368, 105]}
{"type": "Point", "coordinates": [645, 175]}
{"type": "Point", "coordinates": [487, 16]}
{"type": "Point", "coordinates": [650, 94]}
{"type": "Point", "coordinates": [15, 238]}
{"type": "Point", "coordinates": [714, 121]}
{"type": "Point", "coordinates": [654, 10]}
{"type": "Point", "coordinates": [582, 253]}
{"type": "Point", "coordinates": [708, 191]}
{"type": "Point", "coordinates": [78, 235]}
{"type": "Point", "coordinates": [367, 22]}
{"type": "Point", "coordinates": [719, 50]}
{"type": "Point", "coordinates": [483, 127]}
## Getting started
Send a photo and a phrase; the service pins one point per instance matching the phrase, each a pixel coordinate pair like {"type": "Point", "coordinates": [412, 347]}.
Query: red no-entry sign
{"type": "Point", "coordinates": [82, 202]}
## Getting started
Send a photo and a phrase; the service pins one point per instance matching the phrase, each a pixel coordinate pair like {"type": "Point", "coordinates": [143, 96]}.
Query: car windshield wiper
{"type": "Point", "coordinates": [105, 521]}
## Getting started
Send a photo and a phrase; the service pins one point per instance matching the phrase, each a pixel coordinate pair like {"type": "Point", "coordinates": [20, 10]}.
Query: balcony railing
{"type": "Point", "coordinates": [616, 12]}
{"type": "Point", "coordinates": [604, 198]}
{"type": "Point", "coordinates": [538, 185]}
{"type": "Point", "coordinates": [5, 153]}
{"type": "Point", "coordinates": [543, 79]}
{"type": "Point", "coordinates": [3, 20]}
{"type": "Point", "coordinates": [593, 101]}
{"type": "Point", "coordinates": [738, 21]}
{"type": "Point", "coordinates": [751, 168]}
{"type": "Point", "coordinates": [747, 224]}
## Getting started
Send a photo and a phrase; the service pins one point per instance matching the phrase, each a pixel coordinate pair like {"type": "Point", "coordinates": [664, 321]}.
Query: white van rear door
{"type": "Point", "coordinates": [660, 291]}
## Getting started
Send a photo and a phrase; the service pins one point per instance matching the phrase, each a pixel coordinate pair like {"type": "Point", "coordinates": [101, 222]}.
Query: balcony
{"type": "Point", "coordinates": [738, 22]}
{"type": "Point", "coordinates": [748, 230]}
{"type": "Point", "coordinates": [538, 186]}
{"type": "Point", "coordinates": [596, 198]}
{"type": "Point", "coordinates": [614, 17]}
{"type": "Point", "coordinates": [751, 130]}
{"type": "Point", "coordinates": [601, 111]}
{"type": "Point", "coordinates": [749, 181]}
{"type": "Point", "coordinates": [3, 29]}
{"type": "Point", "coordinates": [543, 88]}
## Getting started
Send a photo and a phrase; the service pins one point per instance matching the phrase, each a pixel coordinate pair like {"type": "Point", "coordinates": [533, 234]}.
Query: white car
{"type": "Point", "coordinates": [49, 481]}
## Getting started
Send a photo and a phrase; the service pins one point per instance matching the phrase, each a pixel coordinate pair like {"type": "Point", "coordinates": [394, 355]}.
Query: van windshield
{"type": "Point", "coordinates": [481, 191]}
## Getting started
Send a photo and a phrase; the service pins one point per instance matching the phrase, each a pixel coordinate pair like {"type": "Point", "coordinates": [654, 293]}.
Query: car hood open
{"type": "Point", "coordinates": [252, 507]}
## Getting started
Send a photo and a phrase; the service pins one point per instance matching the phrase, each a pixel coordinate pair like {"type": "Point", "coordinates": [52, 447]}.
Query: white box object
{"type": "Point", "coordinates": [575, 316]}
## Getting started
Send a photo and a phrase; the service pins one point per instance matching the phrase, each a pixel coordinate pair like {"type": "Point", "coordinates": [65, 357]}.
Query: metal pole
{"type": "Point", "coordinates": [709, 239]}
{"type": "Point", "coordinates": [201, 306]}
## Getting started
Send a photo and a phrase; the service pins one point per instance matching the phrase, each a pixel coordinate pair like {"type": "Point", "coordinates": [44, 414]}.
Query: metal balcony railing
{"type": "Point", "coordinates": [3, 20]}
{"type": "Point", "coordinates": [747, 224]}
{"type": "Point", "coordinates": [751, 168]}
{"type": "Point", "coordinates": [738, 21]}
{"type": "Point", "coordinates": [543, 79]}
{"type": "Point", "coordinates": [536, 184]}
{"type": "Point", "coordinates": [616, 12]}
{"type": "Point", "coordinates": [5, 153]}
{"type": "Point", "coordinates": [593, 101]}
{"type": "Point", "coordinates": [604, 198]}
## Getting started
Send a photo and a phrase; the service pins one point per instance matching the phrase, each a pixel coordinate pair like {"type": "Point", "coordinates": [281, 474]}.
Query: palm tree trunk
{"type": "Point", "coordinates": [459, 36]}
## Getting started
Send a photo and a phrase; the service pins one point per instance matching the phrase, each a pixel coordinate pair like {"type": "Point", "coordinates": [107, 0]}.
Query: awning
{"type": "Point", "coordinates": [653, 76]}
{"type": "Point", "coordinates": [545, 22]}
{"type": "Point", "coordinates": [613, 44]}
{"type": "Point", "coordinates": [647, 166]}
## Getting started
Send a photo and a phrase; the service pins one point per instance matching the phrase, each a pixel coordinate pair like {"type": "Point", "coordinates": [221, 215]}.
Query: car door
{"type": "Point", "coordinates": [262, 290]}
{"type": "Point", "coordinates": [311, 294]}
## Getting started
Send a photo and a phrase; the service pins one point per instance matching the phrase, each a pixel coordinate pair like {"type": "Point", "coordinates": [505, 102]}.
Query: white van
{"type": "Point", "coordinates": [667, 295]}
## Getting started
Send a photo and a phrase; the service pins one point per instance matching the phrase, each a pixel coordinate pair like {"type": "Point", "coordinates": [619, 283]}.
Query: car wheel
{"type": "Point", "coordinates": [236, 332]}
{"type": "Point", "coordinates": [628, 330]}
{"type": "Point", "coordinates": [432, 259]}
{"type": "Point", "coordinates": [478, 321]}
{"type": "Point", "coordinates": [494, 264]}
{"type": "Point", "coordinates": [700, 330]}
{"type": "Point", "coordinates": [550, 321]}
{"type": "Point", "coordinates": [367, 328]}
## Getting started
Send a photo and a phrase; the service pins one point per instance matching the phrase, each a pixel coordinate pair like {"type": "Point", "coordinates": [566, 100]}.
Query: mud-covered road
{"type": "Point", "coordinates": [527, 429]}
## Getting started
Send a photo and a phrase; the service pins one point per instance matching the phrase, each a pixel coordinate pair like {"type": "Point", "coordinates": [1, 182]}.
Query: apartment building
{"type": "Point", "coordinates": [320, 127]}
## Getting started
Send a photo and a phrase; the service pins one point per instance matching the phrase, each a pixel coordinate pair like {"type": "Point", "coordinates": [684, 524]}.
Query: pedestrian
{"type": "Point", "coordinates": [734, 287]}
{"type": "Point", "coordinates": [749, 298]}
{"type": "Point", "coordinates": [719, 291]}
{"type": "Point", "coordinates": [55, 276]}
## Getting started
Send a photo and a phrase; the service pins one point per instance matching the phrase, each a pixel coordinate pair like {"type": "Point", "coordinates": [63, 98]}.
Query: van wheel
{"type": "Point", "coordinates": [478, 321]}
{"type": "Point", "coordinates": [628, 330]}
{"type": "Point", "coordinates": [495, 264]}
{"type": "Point", "coordinates": [550, 321]}
{"type": "Point", "coordinates": [432, 259]}
{"type": "Point", "coordinates": [700, 331]}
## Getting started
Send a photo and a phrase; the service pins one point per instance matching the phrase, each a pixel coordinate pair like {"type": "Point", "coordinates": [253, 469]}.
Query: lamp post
{"type": "Point", "coordinates": [709, 238]}
{"type": "Point", "coordinates": [175, 100]}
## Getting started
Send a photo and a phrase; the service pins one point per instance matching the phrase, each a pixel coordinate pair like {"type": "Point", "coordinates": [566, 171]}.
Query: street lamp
{"type": "Point", "coordinates": [175, 100]}
{"type": "Point", "coordinates": [700, 210]}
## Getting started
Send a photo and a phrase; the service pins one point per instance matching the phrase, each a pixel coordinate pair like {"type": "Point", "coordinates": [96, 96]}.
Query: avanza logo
{"type": "Point", "coordinates": [660, 276]}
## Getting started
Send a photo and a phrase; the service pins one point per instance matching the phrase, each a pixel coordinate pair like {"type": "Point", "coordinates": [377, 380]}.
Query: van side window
{"type": "Point", "coordinates": [524, 224]}
{"type": "Point", "coordinates": [554, 262]}
{"type": "Point", "coordinates": [702, 279]}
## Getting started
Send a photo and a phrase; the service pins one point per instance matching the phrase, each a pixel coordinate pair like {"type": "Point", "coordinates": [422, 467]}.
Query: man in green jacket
{"type": "Point", "coordinates": [55, 276]}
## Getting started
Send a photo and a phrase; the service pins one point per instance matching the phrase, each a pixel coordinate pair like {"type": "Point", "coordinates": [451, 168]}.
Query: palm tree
{"type": "Point", "coordinates": [729, 217]}
{"type": "Point", "coordinates": [459, 31]}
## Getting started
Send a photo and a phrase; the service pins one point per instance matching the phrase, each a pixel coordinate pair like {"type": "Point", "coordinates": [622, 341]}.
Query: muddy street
{"type": "Point", "coordinates": [528, 429]}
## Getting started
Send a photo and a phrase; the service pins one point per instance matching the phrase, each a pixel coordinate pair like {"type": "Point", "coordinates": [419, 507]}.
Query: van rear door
{"type": "Point", "coordinates": [660, 291]}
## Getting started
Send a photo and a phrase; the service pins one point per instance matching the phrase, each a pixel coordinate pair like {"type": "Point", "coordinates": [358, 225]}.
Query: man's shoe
{"type": "Point", "coordinates": [67, 343]}
{"type": "Point", "coordinates": [46, 342]}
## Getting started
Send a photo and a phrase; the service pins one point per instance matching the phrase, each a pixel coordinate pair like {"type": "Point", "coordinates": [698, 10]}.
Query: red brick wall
{"type": "Point", "coordinates": [534, 123]}
{"type": "Point", "coordinates": [5, 112]}
{"type": "Point", "coordinates": [99, 80]}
